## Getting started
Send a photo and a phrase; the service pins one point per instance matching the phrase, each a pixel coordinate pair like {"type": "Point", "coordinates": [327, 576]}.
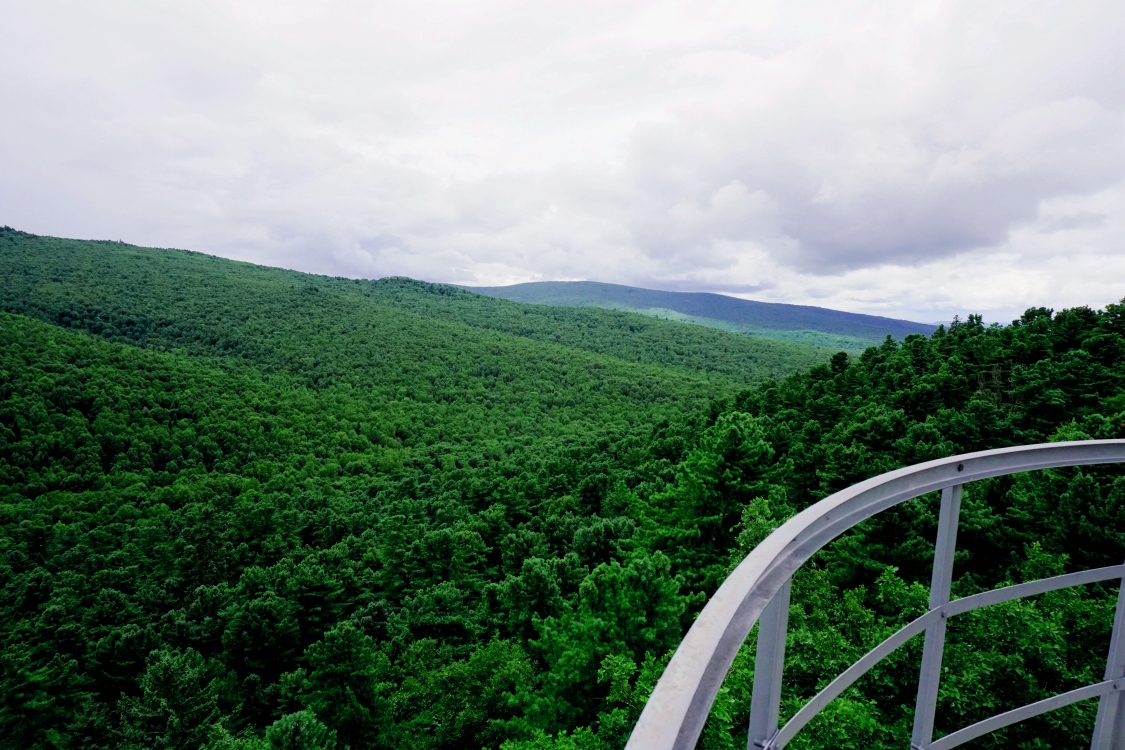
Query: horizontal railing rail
{"type": "Point", "coordinates": [757, 591]}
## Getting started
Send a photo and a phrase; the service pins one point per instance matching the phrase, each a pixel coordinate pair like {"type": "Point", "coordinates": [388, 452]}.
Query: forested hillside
{"type": "Point", "coordinates": [284, 319]}
{"type": "Point", "coordinates": [249, 508]}
{"type": "Point", "coordinates": [803, 323]}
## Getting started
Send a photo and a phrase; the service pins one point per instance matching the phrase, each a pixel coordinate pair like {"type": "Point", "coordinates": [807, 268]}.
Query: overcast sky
{"type": "Point", "coordinates": [909, 159]}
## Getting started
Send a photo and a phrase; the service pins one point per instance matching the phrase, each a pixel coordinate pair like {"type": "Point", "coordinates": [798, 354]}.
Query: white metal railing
{"type": "Point", "coordinates": [758, 591]}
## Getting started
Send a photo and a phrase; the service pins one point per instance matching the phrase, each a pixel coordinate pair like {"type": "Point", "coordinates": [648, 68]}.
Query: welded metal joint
{"type": "Point", "coordinates": [766, 744]}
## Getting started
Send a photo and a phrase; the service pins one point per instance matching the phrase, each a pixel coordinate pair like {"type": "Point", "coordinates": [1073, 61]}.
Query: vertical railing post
{"type": "Point", "coordinates": [926, 707]}
{"type": "Point", "coordinates": [1109, 727]}
{"type": "Point", "coordinates": [765, 704]}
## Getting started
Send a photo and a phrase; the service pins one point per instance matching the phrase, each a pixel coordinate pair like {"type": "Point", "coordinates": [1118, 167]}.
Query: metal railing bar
{"type": "Point", "coordinates": [961, 736]}
{"type": "Point", "coordinates": [850, 675]}
{"type": "Point", "coordinates": [929, 677]}
{"type": "Point", "coordinates": [765, 703]}
{"type": "Point", "coordinates": [1108, 729]}
{"type": "Point", "coordinates": [916, 626]}
{"type": "Point", "coordinates": [674, 714]}
{"type": "Point", "coordinates": [1031, 588]}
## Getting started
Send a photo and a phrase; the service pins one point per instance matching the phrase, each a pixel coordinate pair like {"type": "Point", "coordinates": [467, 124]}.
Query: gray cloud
{"type": "Point", "coordinates": [859, 155]}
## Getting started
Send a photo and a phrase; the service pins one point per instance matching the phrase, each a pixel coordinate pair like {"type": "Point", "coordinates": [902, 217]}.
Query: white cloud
{"type": "Point", "coordinates": [915, 159]}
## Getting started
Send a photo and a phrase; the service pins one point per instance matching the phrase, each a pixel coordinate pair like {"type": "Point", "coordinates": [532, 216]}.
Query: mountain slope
{"type": "Point", "coordinates": [292, 485]}
{"type": "Point", "coordinates": [835, 328]}
{"type": "Point", "coordinates": [238, 505]}
{"type": "Point", "coordinates": [173, 298]}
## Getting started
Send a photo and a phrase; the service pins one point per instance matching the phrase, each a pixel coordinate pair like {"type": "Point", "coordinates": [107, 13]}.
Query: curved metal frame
{"type": "Point", "coordinates": [759, 589]}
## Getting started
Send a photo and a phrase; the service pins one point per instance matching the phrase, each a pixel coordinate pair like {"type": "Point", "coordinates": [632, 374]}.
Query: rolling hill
{"type": "Point", "coordinates": [248, 476]}
{"type": "Point", "coordinates": [244, 508]}
{"type": "Point", "coordinates": [174, 298]}
{"type": "Point", "coordinates": [813, 325]}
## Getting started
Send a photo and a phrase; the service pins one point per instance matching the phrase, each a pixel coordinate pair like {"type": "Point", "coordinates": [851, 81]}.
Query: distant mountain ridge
{"type": "Point", "coordinates": [771, 319]}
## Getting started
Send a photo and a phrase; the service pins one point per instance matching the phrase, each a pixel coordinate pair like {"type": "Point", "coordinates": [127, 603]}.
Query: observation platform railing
{"type": "Point", "coordinates": [758, 592]}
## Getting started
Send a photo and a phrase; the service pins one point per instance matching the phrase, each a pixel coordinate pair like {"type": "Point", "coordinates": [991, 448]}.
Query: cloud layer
{"type": "Point", "coordinates": [912, 159]}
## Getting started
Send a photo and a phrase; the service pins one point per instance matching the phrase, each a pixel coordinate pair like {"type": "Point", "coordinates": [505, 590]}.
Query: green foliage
{"type": "Point", "coordinates": [695, 519]}
{"type": "Point", "coordinates": [345, 684]}
{"type": "Point", "coordinates": [41, 694]}
{"type": "Point", "coordinates": [243, 508]}
{"type": "Point", "coordinates": [630, 610]}
{"type": "Point", "coordinates": [433, 342]}
{"type": "Point", "coordinates": [182, 695]}
{"type": "Point", "coordinates": [827, 341]}
{"type": "Point", "coordinates": [300, 731]}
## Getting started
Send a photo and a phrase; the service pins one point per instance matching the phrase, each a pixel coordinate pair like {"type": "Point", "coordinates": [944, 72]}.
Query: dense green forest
{"type": "Point", "coordinates": [249, 508]}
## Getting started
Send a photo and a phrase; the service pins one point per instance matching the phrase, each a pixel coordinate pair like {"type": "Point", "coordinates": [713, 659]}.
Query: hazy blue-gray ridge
{"type": "Point", "coordinates": [748, 315]}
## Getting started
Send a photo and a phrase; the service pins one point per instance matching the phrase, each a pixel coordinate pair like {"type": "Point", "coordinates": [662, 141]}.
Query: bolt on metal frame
{"type": "Point", "coordinates": [757, 591]}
